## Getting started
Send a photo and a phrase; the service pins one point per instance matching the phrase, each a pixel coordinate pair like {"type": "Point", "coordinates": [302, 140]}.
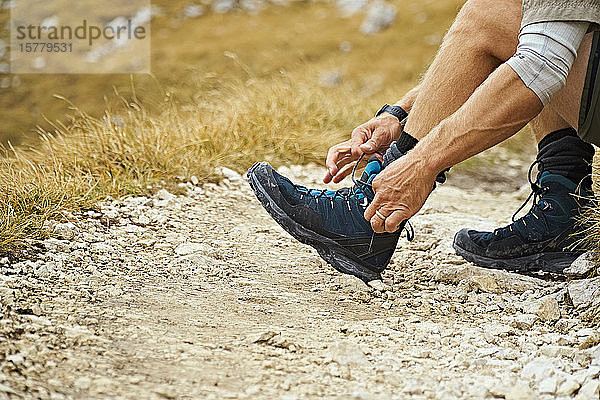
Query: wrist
{"type": "Point", "coordinates": [432, 156]}
{"type": "Point", "coordinates": [405, 105]}
{"type": "Point", "coordinates": [398, 112]}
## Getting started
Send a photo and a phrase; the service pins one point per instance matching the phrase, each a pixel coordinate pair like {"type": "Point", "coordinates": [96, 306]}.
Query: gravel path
{"type": "Point", "coordinates": [202, 295]}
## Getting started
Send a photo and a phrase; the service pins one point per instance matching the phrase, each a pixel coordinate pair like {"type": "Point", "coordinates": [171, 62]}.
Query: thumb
{"type": "Point", "coordinates": [370, 146]}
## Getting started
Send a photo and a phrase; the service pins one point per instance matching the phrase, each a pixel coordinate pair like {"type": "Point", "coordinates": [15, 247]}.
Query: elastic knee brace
{"type": "Point", "coordinates": [545, 55]}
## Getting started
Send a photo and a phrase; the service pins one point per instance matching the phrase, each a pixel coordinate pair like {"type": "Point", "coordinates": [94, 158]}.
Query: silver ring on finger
{"type": "Point", "coordinates": [380, 215]}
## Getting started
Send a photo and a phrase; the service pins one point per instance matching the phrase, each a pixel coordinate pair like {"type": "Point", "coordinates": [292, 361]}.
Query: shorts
{"type": "Point", "coordinates": [589, 114]}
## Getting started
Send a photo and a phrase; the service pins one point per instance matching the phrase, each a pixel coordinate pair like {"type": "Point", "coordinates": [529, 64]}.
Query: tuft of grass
{"type": "Point", "coordinates": [135, 146]}
{"type": "Point", "coordinates": [590, 220]}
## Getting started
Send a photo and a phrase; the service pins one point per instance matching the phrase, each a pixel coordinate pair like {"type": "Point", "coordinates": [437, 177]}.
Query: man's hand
{"type": "Point", "coordinates": [400, 191]}
{"type": "Point", "coordinates": [375, 135]}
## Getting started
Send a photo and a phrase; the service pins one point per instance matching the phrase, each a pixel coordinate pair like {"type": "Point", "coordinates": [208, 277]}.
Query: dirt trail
{"type": "Point", "coordinates": [204, 296]}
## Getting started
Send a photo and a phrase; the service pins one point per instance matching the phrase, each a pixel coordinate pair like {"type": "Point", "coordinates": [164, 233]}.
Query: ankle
{"type": "Point", "coordinates": [563, 153]}
{"type": "Point", "coordinates": [400, 147]}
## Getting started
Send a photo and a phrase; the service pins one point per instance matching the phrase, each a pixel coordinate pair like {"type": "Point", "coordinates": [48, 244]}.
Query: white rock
{"type": "Point", "coordinates": [584, 292]}
{"type": "Point", "coordinates": [163, 194]}
{"type": "Point", "coordinates": [15, 358]}
{"type": "Point", "coordinates": [348, 8]}
{"type": "Point", "coordinates": [557, 351]}
{"type": "Point", "coordinates": [582, 266]}
{"type": "Point", "coordinates": [546, 308]}
{"type": "Point", "coordinates": [193, 11]}
{"type": "Point", "coordinates": [194, 180]}
{"type": "Point", "coordinates": [65, 231]}
{"type": "Point", "coordinates": [82, 383]}
{"type": "Point", "coordinates": [524, 321]}
{"type": "Point", "coordinates": [330, 78]}
{"type": "Point", "coordinates": [188, 248]}
{"type": "Point", "coordinates": [102, 247]}
{"type": "Point", "coordinates": [230, 174]}
{"type": "Point", "coordinates": [347, 354]}
{"type": "Point", "coordinates": [538, 369]}
{"type": "Point", "coordinates": [252, 6]}
{"type": "Point", "coordinates": [548, 385]}
{"type": "Point", "coordinates": [142, 220]}
{"type": "Point", "coordinates": [564, 325]}
{"type": "Point", "coordinates": [194, 262]}
{"type": "Point", "coordinates": [345, 46]}
{"type": "Point", "coordinates": [379, 285]}
{"type": "Point", "coordinates": [223, 6]}
{"type": "Point", "coordinates": [486, 280]}
{"type": "Point", "coordinates": [568, 387]}
{"type": "Point", "coordinates": [379, 16]}
{"type": "Point", "coordinates": [583, 332]}
{"type": "Point", "coordinates": [7, 389]}
{"type": "Point", "coordinates": [589, 390]}
{"type": "Point", "coordinates": [519, 391]}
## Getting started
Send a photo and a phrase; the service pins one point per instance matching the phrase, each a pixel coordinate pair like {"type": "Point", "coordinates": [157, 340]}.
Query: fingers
{"type": "Point", "coordinates": [393, 221]}
{"type": "Point", "coordinates": [378, 223]}
{"type": "Point", "coordinates": [334, 156]}
{"type": "Point", "coordinates": [370, 146]}
{"type": "Point", "coordinates": [342, 154]}
{"type": "Point", "coordinates": [390, 223]}
{"type": "Point", "coordinates": [347, 169]}
{"type": "Point", "coordinates": [344, 172]}
{"type": "Point", "coordinates": [374, 206]}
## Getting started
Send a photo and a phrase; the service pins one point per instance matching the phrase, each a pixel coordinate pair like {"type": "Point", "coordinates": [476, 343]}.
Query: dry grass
{"type": "Point", "coordinates": [590, 220]}
{"type": "Point", "coordinates": [134, 146]}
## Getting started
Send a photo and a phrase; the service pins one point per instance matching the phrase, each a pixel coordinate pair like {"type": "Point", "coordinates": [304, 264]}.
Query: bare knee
{"type": "Point", "coordinates": [488, 26]}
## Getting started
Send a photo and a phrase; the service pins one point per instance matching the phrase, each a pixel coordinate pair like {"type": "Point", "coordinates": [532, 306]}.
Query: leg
{"type": "Point", "coordinates": [568, 101]}
{"type": "Point", "coordinates": [547, 121]}
{"type": "Point", "coordinates": [484, 35]}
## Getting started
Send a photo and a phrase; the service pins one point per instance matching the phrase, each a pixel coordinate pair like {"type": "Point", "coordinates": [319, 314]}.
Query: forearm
{"type": "Point", "coordinates": [409, 98]}
{"type": "Point", "coordinates": [498, 109]}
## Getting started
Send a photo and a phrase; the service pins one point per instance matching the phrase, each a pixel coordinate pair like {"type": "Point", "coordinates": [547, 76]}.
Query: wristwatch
{"type": "Point", "coordinates": [396, 111]}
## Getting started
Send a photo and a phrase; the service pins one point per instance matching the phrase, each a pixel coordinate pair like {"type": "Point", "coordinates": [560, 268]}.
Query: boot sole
{"type": "Point", "coordinates": [332, 252]}
{"type": "Point", "coordinates": [553, 262]}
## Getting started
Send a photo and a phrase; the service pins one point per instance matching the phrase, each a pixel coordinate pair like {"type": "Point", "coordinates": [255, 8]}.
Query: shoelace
{"type": "Point", "coordinates": [410, 231]}
{"type": "Point", "coordinates": [537, 192]}
{"type": "Point", "coordinates": [346, 193]}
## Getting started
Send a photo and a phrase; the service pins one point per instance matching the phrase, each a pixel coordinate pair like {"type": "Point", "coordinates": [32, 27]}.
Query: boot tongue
{"type": "Point", "coordinates": [547, 177]}
{"type": "Point", "coordinates": [371, 170]}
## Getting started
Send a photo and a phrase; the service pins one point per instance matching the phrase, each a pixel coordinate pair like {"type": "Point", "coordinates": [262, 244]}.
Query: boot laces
{"type": "Point", "coordinates": [346, 193]}
{"type": "Point", "coordinates": [537, 192]}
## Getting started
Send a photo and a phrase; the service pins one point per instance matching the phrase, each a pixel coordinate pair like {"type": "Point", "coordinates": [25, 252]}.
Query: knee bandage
{"type": "Point", "coordinates": [545, 55]}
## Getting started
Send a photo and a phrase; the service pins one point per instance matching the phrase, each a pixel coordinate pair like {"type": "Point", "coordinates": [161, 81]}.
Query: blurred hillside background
{"type": "Point", "coordinates": [198, 48]}
{"type": "Point", "coordinates": [233, 82]}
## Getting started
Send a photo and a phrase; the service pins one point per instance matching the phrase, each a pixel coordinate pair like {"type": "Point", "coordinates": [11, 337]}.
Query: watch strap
{"type": "Point", "coordinates": [396, 111]}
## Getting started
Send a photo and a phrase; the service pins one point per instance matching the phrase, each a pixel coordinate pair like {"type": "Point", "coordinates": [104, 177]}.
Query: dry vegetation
{"type": "Point", "coordinates": [591, 219]}
{"type": "Point", "coordinates": [132, 149]}
{"type": "Point", "coordinates": [219, 96]}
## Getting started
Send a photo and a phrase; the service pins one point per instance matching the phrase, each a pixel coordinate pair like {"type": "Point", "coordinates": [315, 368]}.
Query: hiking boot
{"type": "Point", "coordinates": [542, 240]}
{"type": "Point", "coordinates": [545, 239]}
{"type": "Point", "coordinates": [330, 221]}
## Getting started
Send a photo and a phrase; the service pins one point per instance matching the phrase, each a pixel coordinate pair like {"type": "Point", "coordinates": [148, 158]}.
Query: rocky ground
{"type": "Point", "coordinates": [202, 295]}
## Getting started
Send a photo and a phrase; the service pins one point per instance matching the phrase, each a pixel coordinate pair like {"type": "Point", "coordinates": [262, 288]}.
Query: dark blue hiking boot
{"type": "Point", "coordinates": [544, 239]}
{"type": "Point", "coordinates": [330, 221]}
